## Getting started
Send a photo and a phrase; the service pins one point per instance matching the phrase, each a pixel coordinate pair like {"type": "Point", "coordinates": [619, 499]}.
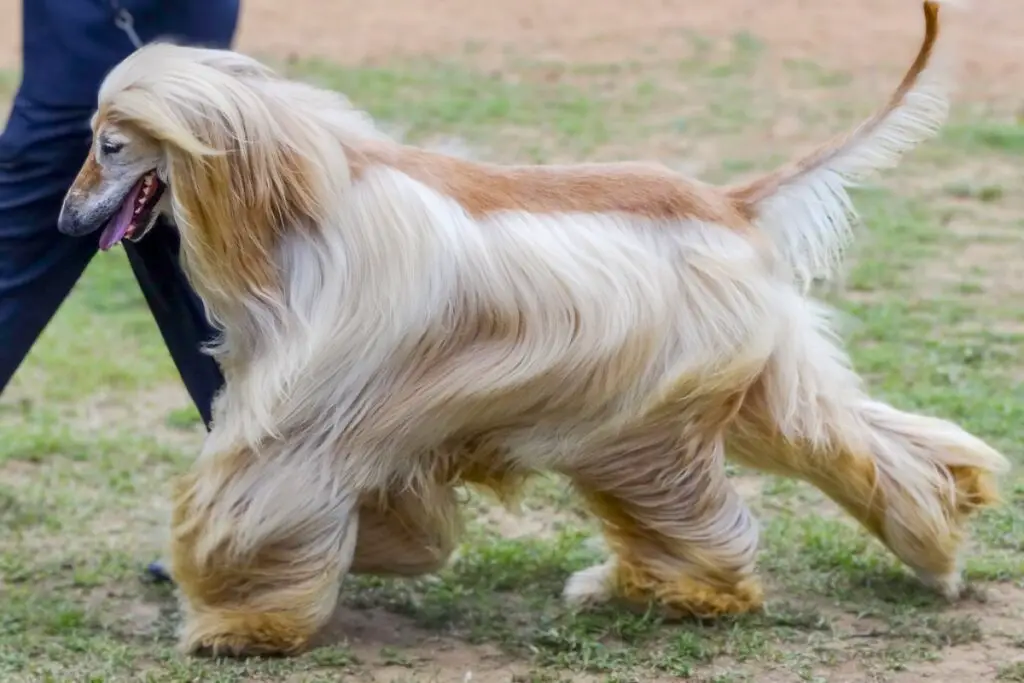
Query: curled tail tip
{"type": "Point", "coordinates": [804, 205]}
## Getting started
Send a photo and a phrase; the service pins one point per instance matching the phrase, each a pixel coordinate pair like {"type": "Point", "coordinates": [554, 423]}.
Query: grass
{"type": "Point", "coordinates": [95, 424]}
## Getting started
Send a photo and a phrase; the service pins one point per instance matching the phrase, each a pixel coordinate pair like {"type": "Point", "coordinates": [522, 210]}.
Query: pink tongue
{"type": "Point", "coordinates": [118, 225]}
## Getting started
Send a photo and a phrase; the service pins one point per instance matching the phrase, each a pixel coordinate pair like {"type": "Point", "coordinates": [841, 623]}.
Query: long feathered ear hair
{"type": "Point", "coordinates": [245, 162]}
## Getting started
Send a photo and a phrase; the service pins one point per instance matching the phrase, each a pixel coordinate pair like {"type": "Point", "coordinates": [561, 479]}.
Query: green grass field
{"type": "Point", "coordinates": [95, 424]}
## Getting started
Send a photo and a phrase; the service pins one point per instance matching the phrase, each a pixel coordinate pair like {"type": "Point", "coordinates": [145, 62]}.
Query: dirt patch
{"type": "Point", "coordinates": [979, 662]}
{"type": "Point", "coordinates": [609, 31]}
{"type": "Point", "coordinates": [978, 207]}
{"type": "Point", "coordinates": [863, 36]}
{"type": "Point", "coordinates": [150, 412]}
{"type": "Point", "coordinates": [388, 648]}
{"type": "Point", "coordinates": [371, 636]}
{"type": "Point", "coordinates": [998, 615]}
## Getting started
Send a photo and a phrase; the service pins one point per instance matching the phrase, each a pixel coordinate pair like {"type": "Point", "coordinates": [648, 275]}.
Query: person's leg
{"type": "Point", "coordinates": [41, 150]}
{"type": "Point", "coordinates": [155, 260]}
{"type": "Point", "coordinates": [67, 48]}
{"type": "Point", "coordinates": [179, 313]}
{"type": "Point", "coordinates": [180, 316]}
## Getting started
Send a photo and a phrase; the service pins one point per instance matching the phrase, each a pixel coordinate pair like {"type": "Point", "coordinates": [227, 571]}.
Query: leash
{"type": "Point", "coordinates": [123, 20]}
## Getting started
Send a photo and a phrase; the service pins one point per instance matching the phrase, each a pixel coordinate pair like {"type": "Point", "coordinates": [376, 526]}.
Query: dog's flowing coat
{"type": "Point", "coordinates": [397, 322]}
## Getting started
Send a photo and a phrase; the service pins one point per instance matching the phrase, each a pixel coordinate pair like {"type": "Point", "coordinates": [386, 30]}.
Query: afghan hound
{"type": "Point", "coordinates": [396, 323]}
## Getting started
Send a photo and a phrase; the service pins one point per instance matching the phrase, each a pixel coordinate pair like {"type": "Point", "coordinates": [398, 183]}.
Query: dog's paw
{"type": "Point", "coordinates": [590, 586]}
{"type": "Point", "coordinates": [228, 646]}
{"type": "Point", "coordinates": [241, 635]}
{"type": "Point", "coordinates": [950, 586]}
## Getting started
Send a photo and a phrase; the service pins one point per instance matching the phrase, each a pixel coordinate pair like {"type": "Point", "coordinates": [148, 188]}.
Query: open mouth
{"type": "Point", "coordinates": [136, 212]}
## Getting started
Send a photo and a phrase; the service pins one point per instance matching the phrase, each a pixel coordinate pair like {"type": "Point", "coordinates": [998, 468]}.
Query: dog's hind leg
{"type": "Point", "coordinates": [909, 479]}
{"type": "Point", "coordinates": [679, 532]}
{"type": "Point", "coordinates": [259, 546]}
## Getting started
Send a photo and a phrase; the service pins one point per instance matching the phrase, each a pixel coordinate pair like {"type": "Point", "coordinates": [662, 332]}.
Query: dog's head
{"type": "Point", "coordinates": [121, 187]}
{"type": "Point", "coordinates": [205, 136]}
{"type": "Point", "coordinates": [161, 103]}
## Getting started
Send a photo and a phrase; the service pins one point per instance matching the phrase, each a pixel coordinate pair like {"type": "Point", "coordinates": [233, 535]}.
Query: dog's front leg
{"type": "Point", "coordinates": [259, 546]}
{"type": "Point", "coordinates": [408, 532]}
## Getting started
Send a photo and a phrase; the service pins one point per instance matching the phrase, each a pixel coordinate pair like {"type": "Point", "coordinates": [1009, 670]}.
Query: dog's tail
{"type": "Point", "coordinates": [804, 205]}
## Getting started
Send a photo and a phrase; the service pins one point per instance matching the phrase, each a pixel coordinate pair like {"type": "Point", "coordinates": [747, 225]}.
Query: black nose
{"type": "Point", "coordinates": [70, 223]}
{"type": "Point", "coordinates": [67, 223]}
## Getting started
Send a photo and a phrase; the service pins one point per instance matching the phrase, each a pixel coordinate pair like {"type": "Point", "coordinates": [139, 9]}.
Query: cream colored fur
{"type": "Point", "coordinates": [385, 340]}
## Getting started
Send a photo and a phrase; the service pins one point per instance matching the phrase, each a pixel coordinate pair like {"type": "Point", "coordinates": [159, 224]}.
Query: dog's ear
{"type": "Point", "coordinates": [189, 98]}
{"type": "Point", "coordinates": [241, 165]}
{"type": "Point", "coordinates": [235, 204]}
{"type": "Point", "coordinates": [233, 209]}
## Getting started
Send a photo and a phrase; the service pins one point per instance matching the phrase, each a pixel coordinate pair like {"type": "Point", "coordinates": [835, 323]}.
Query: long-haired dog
{"type": "Point", "coordinates": [397, 323]}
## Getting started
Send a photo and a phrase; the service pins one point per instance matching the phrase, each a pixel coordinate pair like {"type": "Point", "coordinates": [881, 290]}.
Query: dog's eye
{"type": "Point", "coordinates": [109, 147]}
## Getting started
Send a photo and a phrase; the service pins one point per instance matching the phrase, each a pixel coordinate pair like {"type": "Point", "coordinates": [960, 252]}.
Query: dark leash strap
{"type": "Point", "coordinates": [155, 571]}
{"type": "Point", "coordinates": [123, 20]}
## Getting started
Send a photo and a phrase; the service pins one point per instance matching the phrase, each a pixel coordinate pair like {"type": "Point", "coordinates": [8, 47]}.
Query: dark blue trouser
{"type": "Point", "coordinates": [69, 45]}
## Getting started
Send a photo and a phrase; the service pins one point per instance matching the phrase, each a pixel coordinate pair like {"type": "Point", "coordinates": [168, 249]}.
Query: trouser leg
{"type": "Point", "coordinates": [42, 150]}
{"type": "Point", "coordinates": [179, 313]}
{"type": "Point", "coordinates": [67, 47]}
{"type": "Point", "coordinates": [38, 265]}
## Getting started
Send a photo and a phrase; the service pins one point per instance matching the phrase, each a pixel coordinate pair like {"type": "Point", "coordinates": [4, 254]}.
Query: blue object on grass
{"type": "Point", "coordinates": [157, 572]}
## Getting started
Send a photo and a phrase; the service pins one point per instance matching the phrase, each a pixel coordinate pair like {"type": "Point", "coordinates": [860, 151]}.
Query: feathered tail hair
{"type": "Point", "coordinates": [804, 205]}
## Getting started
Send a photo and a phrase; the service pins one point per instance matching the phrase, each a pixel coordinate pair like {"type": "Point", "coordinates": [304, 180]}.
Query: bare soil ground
{"type": "Point", "coordinates": [721, 88]}
{"type": "Point", "coordinates": [861, 36]}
